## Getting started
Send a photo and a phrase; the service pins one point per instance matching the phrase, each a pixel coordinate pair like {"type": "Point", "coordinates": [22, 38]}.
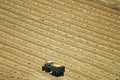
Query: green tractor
{"type": "Point", "coordinates": [47, 66]}
{"type": "Point", "coordinates": [57, 70]}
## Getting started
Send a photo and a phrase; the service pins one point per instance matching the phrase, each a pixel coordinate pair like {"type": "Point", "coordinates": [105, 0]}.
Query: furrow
{"type": "Point", "coordinates": [49, 35]}
{"type": "Point", "coordinates": [16, 66]}
{"type": "Point", "coordinates": [103, 22]}
{"type": "Point", "coordinates": [22, 30]}
{"type": "Point", "coordinates": [97, 35]}
{"type": "Point", "coordinates": [54, 15]}
{"type": "Point", "coordinates": [82, 35]}
{"type": "Point", "coordinates": [53, 10]}
{"type": "Point", "coordinates": [6, 69]}
{"type": "Point", "coordinates": [37, 54]}
{"type": "Point", "coordinates": [87, 12]}
{"type": "Point", "coordinates": [52, 41]}
{"type": "Point", "coordinates": [24, 43]}
{"type": "Point", "coordinates": [99, 9]}
{"type": "Point", "coordinates": [15, 59]}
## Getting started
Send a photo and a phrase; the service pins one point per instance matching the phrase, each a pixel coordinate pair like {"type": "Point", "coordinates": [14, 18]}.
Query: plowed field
{"type": "Point", "coordinates": [83, 35]}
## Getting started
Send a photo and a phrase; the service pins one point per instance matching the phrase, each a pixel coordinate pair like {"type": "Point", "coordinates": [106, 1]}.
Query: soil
{"type": "Point", "coordinates": [82, 35]}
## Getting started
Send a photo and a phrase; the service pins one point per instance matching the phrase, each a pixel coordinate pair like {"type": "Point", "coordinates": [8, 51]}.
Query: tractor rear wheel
{"type": "Point", "coordinates": [56, 74]}
{"type": "Point", "coordinates": [53, 73]}
{"type": "Point", "coordinates": [62, 74]}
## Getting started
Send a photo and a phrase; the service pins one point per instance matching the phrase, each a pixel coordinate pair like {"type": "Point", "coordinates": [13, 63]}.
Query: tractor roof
{"type": "Point", "coordinates": [56, 65]}
{"type": "Point", "coordinates": [49, 61]}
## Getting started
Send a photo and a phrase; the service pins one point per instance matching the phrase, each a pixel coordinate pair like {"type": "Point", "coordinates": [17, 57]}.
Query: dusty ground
{"type": "Point", "coordinates": [82, 35]}
{"type": "Point", "coordinates": [114, 4]}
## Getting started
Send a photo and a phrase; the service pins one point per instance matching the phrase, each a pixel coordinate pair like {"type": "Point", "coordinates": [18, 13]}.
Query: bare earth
{"type": "Point", "coordinates": [83, 35]}
{"type": "Point", "coordinates": [114, 4]}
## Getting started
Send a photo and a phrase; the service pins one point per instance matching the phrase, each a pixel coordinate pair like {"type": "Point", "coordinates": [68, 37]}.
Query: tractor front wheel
{"type": "Point", "coordinates": [47, 70]}
{"type": "Point", "coordinates": [43, 68]}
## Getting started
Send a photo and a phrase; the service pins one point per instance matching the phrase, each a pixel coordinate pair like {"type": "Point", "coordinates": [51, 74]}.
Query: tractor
{"type": "Point", "coordinates": [56, 70]}
{"type": "Point", "coordinates": [47, 66]}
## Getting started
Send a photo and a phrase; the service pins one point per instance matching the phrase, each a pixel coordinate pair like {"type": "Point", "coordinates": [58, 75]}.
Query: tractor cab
{"type": "Point", "coordinates": [47, 66]}
{"type": "Point", "coordinates": [48, 63]}
{"type": "Point", "coordinates": [55, 69]}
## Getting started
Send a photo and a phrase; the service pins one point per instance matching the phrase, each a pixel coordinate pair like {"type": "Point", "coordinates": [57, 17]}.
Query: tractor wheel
{"type": "Point", "coordinates": [62, 74]}
{"type": "Point", "coordinates": [56, 74]}
{"type": "Point", "coordinates": [43, 68]}
{"type": "Point", "coordinates": [47, 70]}
{"type": "Point", "coordinates": [53, 73]}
